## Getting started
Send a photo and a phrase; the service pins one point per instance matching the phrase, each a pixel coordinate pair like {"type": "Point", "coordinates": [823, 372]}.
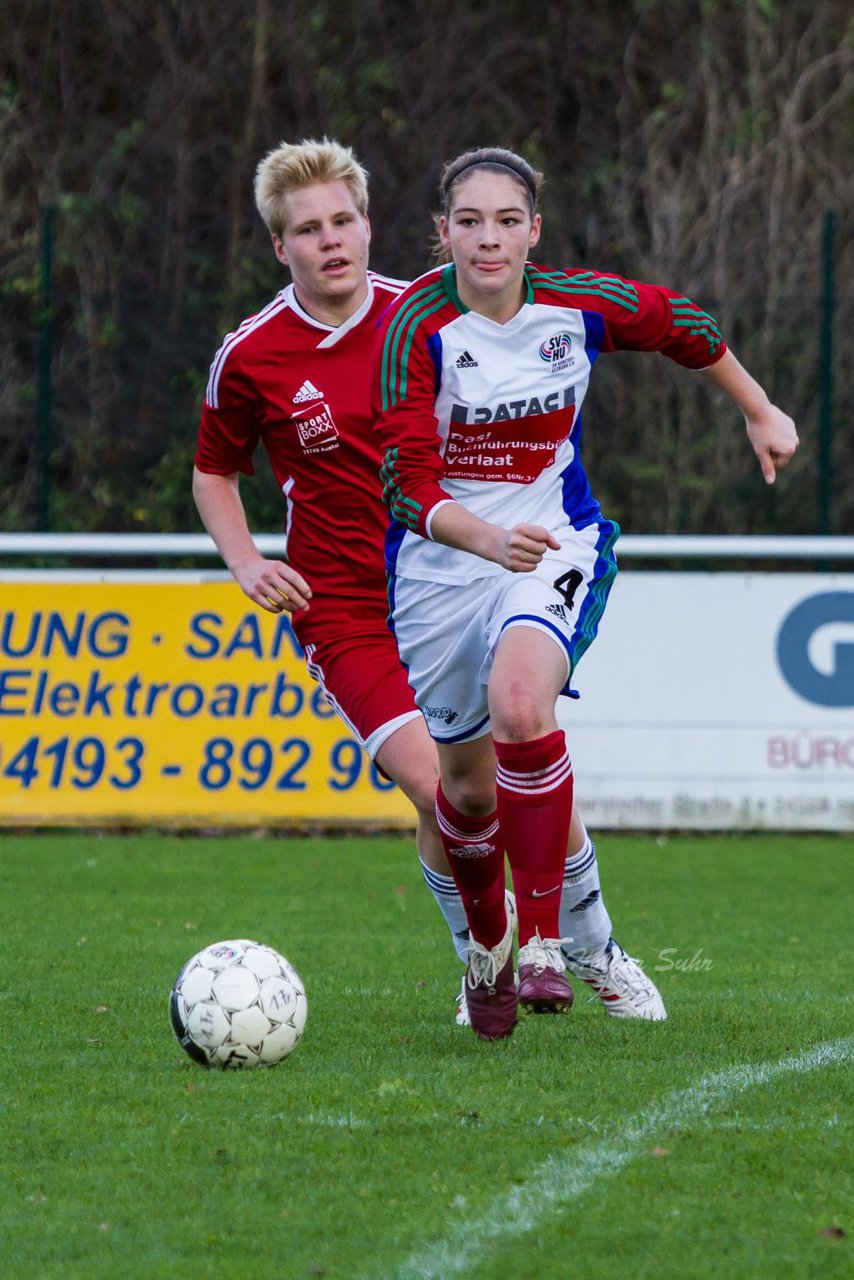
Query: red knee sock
{"type": "Point", "coordinates": [534, 809]}
{"type": "Point", "coordinates": [476, 856]}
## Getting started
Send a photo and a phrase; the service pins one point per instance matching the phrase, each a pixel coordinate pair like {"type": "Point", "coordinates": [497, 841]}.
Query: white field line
{"type": "Point", "coordinates": [560, 1179]}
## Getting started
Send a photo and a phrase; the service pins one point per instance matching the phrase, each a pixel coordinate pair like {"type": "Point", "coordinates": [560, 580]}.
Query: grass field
{"type": "Point", "coordinates": [392, 1143]}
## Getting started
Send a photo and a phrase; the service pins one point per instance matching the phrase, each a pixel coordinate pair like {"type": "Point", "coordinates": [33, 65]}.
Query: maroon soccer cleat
{"type": "Point", "coordinates": [491, 987]}
{"type": "Point", "coordinates": [543, 987]}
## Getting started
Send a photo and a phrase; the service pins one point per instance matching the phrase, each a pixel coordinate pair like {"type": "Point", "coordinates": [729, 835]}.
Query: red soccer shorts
{"type": "Point", "coordinates": [365, 682]}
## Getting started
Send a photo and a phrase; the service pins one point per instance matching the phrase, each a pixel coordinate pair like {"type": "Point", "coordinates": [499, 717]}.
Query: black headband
{"type": "Point", "coordinates": [499, 164]}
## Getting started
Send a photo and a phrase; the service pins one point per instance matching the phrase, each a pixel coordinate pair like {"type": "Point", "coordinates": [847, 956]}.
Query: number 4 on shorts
{"type": "Point", "coordinates": [567, 585]}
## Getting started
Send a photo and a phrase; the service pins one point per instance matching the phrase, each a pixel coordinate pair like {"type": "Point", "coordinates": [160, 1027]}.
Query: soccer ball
{"type": "Point", "coordinates": [238, 1004]}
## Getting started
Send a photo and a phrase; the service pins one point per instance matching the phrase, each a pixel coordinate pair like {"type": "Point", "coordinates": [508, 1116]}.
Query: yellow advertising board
{"type": "Point", "coordinates": [169, 699]}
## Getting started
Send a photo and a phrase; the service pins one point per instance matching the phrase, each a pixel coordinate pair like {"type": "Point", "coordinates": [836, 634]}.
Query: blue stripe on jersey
{"type": "Point", "coordinates": [434, 346]}
{"type": "Point", "coordinates": [394, 535]}
{"type": "Point", "coordinates": [594, 334]}
{"type": "Point", "coordinates": [577, 498]}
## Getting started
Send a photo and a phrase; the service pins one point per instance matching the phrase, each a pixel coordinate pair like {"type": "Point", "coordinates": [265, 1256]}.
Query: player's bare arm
{"type": "Point", "coordinates": [272, 584]}
{"type": "Point", "coordinates": [770, 431]}
{"type": "Point", "coordinates": [519, 549]}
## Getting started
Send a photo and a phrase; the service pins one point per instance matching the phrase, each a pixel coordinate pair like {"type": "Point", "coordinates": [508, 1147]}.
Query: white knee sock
{"type": "Point", "coordinates": [450, 904]}
{"type": "Point", "coordinates": [583, 915]}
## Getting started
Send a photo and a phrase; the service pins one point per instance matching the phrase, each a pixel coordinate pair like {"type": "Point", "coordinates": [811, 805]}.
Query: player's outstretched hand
{"type": "Point", "coordinates": [274, 585]}
{"type": "Point", "coordinates": [774, 438]}
{"type": "Point", "coordinates": [521, 548]}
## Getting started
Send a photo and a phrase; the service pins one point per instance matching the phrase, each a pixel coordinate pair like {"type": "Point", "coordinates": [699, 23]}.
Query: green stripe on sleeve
{"type": "Point", "coordinates": [398, 340]}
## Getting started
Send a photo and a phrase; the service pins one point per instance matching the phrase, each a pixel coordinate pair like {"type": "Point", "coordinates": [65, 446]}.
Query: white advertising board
{"type": "Point", "coordinates": [718, 701]}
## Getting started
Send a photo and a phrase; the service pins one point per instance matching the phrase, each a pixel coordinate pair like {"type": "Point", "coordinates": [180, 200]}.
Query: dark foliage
{"type": "Point", "coordinates": [696, 143]}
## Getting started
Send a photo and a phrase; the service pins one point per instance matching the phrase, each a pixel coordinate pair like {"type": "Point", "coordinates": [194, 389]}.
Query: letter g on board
{"type": "Point", "coordinates": [826, 689]}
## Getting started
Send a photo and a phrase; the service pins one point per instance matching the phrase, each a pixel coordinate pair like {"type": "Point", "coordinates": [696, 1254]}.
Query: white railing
{"type": "Point", "coordinates": [645, 546]}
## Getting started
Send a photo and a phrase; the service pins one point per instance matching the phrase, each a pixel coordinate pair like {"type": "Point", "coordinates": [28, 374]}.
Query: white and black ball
{"type": "Point", "coordinates": [238, 1004]}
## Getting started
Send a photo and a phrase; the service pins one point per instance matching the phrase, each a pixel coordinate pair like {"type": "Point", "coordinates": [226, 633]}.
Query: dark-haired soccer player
{"type": "Point", "coordinates": [500, 559]}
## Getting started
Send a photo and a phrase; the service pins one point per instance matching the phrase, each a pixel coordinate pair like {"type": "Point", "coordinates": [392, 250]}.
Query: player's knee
{"type": "Point", "coordinates": [471, 794]}
{"type": "Point", "coordinates": [519, 711]}
{"type": "Point", "coordinates": [521, 719]}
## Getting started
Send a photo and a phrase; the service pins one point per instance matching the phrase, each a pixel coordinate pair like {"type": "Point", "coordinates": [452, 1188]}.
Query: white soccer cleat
{"type": "Point", "coordinates": [621, 985]}
{"type": "Point", "coordinates": [462, 1019]}
{"type": "Point", "coordinates": [510, 904]}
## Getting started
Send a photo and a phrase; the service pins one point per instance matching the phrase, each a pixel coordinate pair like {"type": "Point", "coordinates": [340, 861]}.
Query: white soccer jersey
{"type": "Point", "coordinates": [488, 415]}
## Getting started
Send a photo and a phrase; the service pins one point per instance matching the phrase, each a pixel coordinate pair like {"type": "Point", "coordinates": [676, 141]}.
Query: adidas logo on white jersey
{"type": "Point", "coordinates": [308, 391]}
{"type": "Point", "coordinates": [466, 361]}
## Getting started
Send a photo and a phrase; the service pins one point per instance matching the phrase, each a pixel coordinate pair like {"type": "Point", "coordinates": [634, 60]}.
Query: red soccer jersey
{"type": "Point", "coordinates": [303, 388]}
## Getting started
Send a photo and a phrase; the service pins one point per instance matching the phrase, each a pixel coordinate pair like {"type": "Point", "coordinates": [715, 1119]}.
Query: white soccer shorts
{"type": "Point", "coordinates": [447, 634]}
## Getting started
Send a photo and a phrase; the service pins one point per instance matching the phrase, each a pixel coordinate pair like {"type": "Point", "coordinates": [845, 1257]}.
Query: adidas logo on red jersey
{"type": "Point", "coordinates": [308, 391]}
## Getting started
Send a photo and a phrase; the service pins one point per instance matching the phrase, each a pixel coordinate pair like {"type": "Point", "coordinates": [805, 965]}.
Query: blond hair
{"type": "Point", "coordinates": [292, 165]}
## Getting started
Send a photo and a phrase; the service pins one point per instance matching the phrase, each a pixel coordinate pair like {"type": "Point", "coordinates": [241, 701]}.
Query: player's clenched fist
{"type": "Point", "coordinates": [521, 548]}
{"type": "Point", "coordinates": [774, 438]}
